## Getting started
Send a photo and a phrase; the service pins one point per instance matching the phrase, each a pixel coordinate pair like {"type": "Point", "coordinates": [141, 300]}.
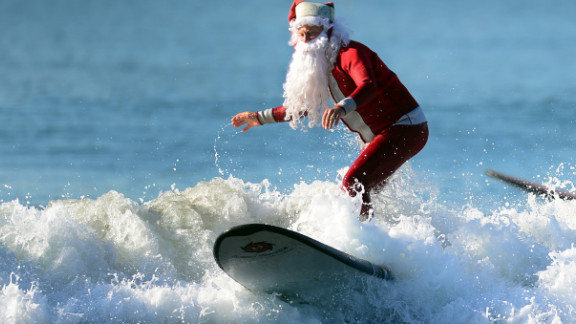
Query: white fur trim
{"type": "Point", "coordinates": [348, 104]}
{"type": "Point", "coordinates": [415, 117]}
{"type": "Point", "coordinates": [266, 116]}
{"type": "Point", "coordinates": [314, 9]}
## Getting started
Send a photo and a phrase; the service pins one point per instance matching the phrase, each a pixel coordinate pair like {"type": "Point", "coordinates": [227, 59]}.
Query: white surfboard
{"type": "Point", "coordinates": [265, 258]}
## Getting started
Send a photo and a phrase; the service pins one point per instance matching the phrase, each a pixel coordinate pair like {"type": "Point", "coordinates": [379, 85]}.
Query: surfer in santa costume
{"type": "Point", "coordinates": [327, 67]}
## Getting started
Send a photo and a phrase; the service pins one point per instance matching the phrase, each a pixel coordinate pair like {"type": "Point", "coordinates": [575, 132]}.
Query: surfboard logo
{"type": "Point", "coordinates": [257, 247]}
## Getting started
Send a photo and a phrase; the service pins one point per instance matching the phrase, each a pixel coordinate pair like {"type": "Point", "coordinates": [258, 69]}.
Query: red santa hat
{"type": "Point", "coordinates": [304, 12]}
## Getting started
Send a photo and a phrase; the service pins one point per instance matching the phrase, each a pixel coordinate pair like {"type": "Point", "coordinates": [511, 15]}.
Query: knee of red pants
{"type": "Point", "coordinates": [352, 187]}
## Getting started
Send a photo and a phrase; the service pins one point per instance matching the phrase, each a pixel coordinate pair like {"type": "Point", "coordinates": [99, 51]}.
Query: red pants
{"type": "Point", "coordinates": [383, 156]}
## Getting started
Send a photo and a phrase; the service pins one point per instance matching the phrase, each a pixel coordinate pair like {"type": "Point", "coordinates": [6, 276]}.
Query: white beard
{"type": "Point", "coordinates": [306, 90]}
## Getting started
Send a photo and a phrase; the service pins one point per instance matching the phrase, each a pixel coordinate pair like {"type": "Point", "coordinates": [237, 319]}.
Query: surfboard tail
{"type": "Point", "coordinates": [531, 187]}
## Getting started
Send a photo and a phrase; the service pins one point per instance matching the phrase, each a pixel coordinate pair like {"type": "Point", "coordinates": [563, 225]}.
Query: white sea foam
{"type": "Point", "coordinates": [113, 260]}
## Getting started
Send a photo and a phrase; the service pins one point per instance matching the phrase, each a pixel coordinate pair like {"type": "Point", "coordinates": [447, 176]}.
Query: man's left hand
{"type": "Point", "coordinates": [332, 116]}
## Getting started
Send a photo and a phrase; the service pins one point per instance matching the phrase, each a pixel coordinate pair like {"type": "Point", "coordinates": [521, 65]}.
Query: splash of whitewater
{"type": "Point", "coordinates": [112, 260]}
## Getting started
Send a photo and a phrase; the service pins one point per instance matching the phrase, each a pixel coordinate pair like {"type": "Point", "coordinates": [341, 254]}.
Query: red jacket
{"type": "Point", "coordinates": [381, 99]}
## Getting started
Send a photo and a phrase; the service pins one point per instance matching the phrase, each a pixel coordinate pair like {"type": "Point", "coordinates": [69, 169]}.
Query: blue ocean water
{"type": "Point", "coordinates": [119, 166]}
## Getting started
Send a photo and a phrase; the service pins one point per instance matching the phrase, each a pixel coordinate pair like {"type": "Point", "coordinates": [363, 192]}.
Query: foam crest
{"type": "Point", "coordinates": [558, 279]}
{"type": "Point", "coordinates": [22, 305]}
{"type": "Point", "coordinates": [111, 259]}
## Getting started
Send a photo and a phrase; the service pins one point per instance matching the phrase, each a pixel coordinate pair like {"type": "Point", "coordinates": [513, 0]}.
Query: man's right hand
{"type": "Point", "coordinates": [248, 117]}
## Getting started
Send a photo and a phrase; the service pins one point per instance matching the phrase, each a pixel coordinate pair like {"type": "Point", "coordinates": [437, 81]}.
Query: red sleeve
{"type": "Point", "coordinates": [357, 63]}
{"type": "Point", "coordinates": [279, 114]}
